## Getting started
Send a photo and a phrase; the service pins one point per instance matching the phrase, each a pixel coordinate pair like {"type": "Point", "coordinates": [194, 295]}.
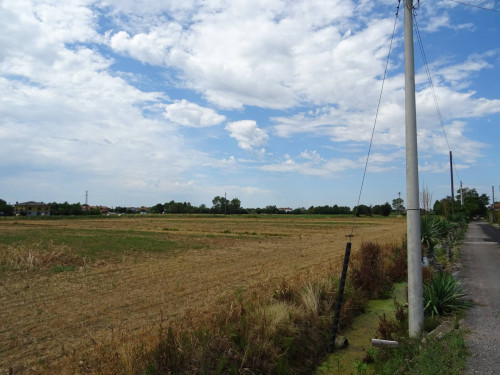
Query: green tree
{"type": "Point", "coordinates": [235, 206]}
{"type": "Point", "coordinates": [6, 209]}
{"type": "Point", "coordinates": [386, 209]}
{"type": "Point", "coordinates": [474, 204]}
{"type": "Point", "coordinates": [157, 209]}
{"type": "Point", "coordinates": [398, 205]}
{"type": "Point", "coordinates": [219, 205]}
{"type": "Point", "coordinates": [363, 209]}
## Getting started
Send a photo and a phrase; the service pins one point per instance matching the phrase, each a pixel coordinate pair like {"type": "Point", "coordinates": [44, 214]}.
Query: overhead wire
{"type": "Point", "coordinates": [431, 85]}
{"type": "Point", "coordinates": [476, 6]}
{"type": "Point", "coordinates": [375, 121]}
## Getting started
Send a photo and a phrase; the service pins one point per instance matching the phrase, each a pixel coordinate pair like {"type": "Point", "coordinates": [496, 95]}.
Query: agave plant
{"type": "Point", "coordinates": [443, 295]}
{"type": "Point", "coordinates": [432, 230]}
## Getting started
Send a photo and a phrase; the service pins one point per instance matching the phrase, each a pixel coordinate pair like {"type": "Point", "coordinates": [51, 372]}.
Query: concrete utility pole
{"type": "Point", "coordinates": [415, 292]}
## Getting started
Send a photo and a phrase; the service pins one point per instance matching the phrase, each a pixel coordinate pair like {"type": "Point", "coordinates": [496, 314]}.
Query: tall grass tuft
{"type": "Point", "coordinates": [36, 255]}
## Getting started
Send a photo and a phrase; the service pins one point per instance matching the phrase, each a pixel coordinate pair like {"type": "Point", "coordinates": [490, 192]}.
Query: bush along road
{"type": "Point", "coordinates": [481, 277]}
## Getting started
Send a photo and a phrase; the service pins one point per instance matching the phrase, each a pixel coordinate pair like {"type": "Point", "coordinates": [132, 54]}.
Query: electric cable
{"type": "Point", "coordinates": [476, 6]}
{"type": "Point", "coordinates": [431, 85]}
{"type": "Point", "coordinates": [375, 121]}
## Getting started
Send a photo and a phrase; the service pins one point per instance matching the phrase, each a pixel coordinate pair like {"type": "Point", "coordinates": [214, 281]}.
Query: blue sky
{"type": "Point", "coordinates": [273, 102]}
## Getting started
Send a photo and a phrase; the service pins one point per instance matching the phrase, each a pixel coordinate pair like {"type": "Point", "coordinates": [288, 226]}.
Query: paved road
{"type": "Point", "coordinates": [481, 277]}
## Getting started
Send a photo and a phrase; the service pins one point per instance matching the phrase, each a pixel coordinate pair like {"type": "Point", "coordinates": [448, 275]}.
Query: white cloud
{"type": "Point", "coordinates": [268, 55]}
{"type": "Point", "coordinates": [192, 115]}
{"type": "Point", "coordinates": [247, 133]}
{"type": "Point", "coordinates": [315, 167]}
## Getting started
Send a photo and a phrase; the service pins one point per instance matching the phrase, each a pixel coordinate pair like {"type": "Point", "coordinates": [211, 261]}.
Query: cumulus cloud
{"type": "Point", "coordinates": [247, 133]}
{"type": "Point", "coordinates": [192, 115]}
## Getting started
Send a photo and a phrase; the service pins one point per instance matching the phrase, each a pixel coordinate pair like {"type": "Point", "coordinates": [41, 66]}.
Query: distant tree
{"type": "Point", "coordinates": [377, 209]}
{"type": "Point", "coordinates": [398, 205]}
{"type": "Point", "coordinates": [362, 209]}
{"type": "Point", "coordinates": [6, 209]}
{"type": "Point", "coordinates": [157, 209]}
{"type": "Point", "coordinates": [438, 207]}
{"type": "Point", "coordinates": [219, 205]}
{"type": "Point", "coordinates": [76, 209]}
{"type": "Point", "coordinates": [203, 209]}
{"type": "Point", "coordinates": [386, 209]}
{"type": "Point", "coordinates": [474, 204]}
{"type": "Point", "coordinates": [271, 210]}
{"type": "Point", "coordinates": [234, 206]}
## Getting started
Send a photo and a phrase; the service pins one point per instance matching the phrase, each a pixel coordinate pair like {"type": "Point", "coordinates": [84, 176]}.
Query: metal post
{"type": "Point", "coordinates": [452, 188]}
{"type": "Point", "coordinates": [340, 294]}
{"type": "Point", "coordinates": [415, 293]}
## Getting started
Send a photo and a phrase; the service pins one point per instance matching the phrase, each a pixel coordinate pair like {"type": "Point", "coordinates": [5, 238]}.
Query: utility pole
{"type": "Point", "coordinates": [452, 188]}
{"type": "Point", "coordinates": [225, 204]}
{"type": "Point", "coordinates": [493, 196]}
{"type": "Point", "coordinates": [399, 203]}
{"type": "Point", "coordinates": [461, 195]}
{"type": "Point", "coordinates": [415, 290]}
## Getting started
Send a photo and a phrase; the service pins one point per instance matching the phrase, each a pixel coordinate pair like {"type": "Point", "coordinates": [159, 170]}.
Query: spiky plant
{"type": "Point", "coordinates": [443, 295]}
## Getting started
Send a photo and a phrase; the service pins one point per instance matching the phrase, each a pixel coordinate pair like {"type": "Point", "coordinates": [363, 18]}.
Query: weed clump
{"type": "Point", "coordinates": [369, 272]}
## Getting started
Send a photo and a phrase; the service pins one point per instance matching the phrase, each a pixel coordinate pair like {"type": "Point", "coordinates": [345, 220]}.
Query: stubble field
{"type": "Point", "coordinates": [68, 286]}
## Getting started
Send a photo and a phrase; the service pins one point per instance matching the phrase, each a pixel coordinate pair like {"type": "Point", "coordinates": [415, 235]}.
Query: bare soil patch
{"type": "Point", "coordinates": [152, 270]}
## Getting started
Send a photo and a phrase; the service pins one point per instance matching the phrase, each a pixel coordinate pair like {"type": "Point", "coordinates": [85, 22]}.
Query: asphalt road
{"type": "Point", "coordinates": [481, 278]}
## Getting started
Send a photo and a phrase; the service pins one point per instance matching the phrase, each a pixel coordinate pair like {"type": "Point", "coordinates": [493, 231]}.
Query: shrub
{"type": "Point", "coordinates": [446, 356]}
{"type": "Point", "coordinates": [397, 262]}
{"type": "Point", "coordinates": [368, 271]}
{"type": "Point", "coordinates": [386, 328]}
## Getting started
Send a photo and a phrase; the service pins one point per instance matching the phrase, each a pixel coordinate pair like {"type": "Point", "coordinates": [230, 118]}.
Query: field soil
{"type": "Point", "coordinates": [128, 275]}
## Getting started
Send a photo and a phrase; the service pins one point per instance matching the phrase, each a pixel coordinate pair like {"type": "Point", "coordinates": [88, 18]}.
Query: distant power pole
{"type": "Point", "coordinates": [86, 198]}
{"type": "Point", "coordinates": [399, 203]}
{"type": "Point", "coordinates": [225, 204]}
{"type": "Point", "coordinates": [493, 196]}
{"type": "Point", "coordinates": [461, 194]}
{"type": "Point", "coordinates": [452, 188]}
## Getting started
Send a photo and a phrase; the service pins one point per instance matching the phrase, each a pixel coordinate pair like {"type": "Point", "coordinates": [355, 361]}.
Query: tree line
{"type": "Point", "coordinates": [220, 206]}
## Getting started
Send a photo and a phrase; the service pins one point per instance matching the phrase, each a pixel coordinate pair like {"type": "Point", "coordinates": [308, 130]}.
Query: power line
{"type": "Point", "coordinates": [476, 6]}
{"type": "Point", "coordinates": [376, 116]}
{"type": "Point", "coordinates": [431, 85]}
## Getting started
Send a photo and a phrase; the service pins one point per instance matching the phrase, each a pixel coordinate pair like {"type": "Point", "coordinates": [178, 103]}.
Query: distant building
{"type": "Point", "coordinates": [494, 213]}
{"type": "Point", "coordinates": [286, 209]}
{"type": "Point", "coordinates": [32, 209]}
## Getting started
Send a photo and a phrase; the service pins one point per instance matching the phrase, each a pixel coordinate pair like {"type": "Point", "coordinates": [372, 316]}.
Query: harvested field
{"type": "Point", "coordinates": [69, 285]}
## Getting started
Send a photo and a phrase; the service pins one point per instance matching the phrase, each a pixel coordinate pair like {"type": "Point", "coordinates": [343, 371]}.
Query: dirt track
{"type": "Point", "coordinates": [48, 317]}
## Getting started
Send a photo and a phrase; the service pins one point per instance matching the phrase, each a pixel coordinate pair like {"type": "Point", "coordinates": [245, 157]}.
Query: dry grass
{"type": "Point", "coordinates": [64, 322]}
{"type": "Point", "coordinates": [35, 256]}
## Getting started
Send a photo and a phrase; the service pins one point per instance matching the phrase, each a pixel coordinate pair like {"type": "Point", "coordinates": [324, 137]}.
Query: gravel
{"type": "Point", "coordinates": [481, 278]}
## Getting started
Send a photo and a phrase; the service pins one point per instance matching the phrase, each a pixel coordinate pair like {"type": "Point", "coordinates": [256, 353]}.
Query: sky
{"type": "Point", "coordinates": [272, 102]}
